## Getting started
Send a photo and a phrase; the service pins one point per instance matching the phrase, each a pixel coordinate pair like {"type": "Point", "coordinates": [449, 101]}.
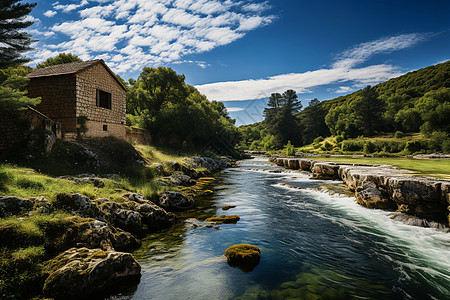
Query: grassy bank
{"type": "Point", "coordinates": [24, 238]}
{"type": "Point", "coordinates": [425, 167]}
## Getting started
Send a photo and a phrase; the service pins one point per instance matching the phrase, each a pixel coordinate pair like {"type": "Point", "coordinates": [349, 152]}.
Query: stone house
{"type": "Point", "coordinates": [86, 89]}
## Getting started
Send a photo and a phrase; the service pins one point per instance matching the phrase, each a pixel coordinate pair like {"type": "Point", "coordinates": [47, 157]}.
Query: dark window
{"type": "Point", "coordinates": [103, 99]}
{"type": "Point", "coordinates": [105, 127]}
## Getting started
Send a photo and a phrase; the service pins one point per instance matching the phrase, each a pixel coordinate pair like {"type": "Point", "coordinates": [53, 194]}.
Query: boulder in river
{"type": "Point", "coordinates": [82, 273]}
{"type": "Point", "coordinates": [244, 256]}
{"type": "Point", "coordinates": [371, 196]}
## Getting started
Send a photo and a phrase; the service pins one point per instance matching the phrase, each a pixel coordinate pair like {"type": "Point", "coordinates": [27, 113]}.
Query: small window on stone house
{"type": "Point", "coordinates": [103, 99]}
{"type": "Point", "coordinates": [105, 127]}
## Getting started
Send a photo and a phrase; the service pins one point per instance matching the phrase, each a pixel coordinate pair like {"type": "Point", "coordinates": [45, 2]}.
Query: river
{"type": "Point", "coordinates": [314, 245]}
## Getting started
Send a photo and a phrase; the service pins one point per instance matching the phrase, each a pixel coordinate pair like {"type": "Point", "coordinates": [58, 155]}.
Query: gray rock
{"type": "Point", "coordinates": [175, 201]}
{"type": "Point", "coordinates": [80, 205]}
{"type": "Point", "coordinates": [10, 205]}
{"type": "Point", "coordinates": [371, 196]}
{"type": "Point", "coordinates": [180, 179]}
{"type": "Point", "coordinates": [81, 273]}
{"type": "Point", "coordinates": [325, 171]}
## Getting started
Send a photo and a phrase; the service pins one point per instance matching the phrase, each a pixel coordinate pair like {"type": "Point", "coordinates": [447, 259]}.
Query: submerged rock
{"type": "Point", "coordinates": [224, 219]}
{"type": "Point", "coordinates": [175, 201]}
{"type": "Point", "coordinates": [227, 207]}
{"type": "Point", "coordinates": [244, 256]}
{"type": "Point", "coordinates": [81, 273]}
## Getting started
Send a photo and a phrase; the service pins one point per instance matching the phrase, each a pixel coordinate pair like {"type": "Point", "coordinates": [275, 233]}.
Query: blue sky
{"type": "Point", "coordinates": [239, 51]}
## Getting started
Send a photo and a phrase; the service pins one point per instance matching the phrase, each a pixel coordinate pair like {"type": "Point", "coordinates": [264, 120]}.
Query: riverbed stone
{"type": "Point", "coordinates": [244, 256]}
{"type": "Point", "coordinates": [293, 164]}
{"type": "Point", "coordinates": [80, 205]}
{"type": "Point", "coordinates": [82, 273]}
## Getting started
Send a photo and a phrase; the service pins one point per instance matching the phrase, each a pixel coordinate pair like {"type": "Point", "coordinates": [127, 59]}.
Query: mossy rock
{"type": "Point", "coordinates": [244, 256]}
{"type": "Point", "coordinates": [224, 219]}
{"type": "Point", "coordinates": [227, 207]}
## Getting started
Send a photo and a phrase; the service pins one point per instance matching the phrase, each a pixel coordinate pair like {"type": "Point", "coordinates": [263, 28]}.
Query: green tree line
{"type": "Point", "coordinates": [415, 102]}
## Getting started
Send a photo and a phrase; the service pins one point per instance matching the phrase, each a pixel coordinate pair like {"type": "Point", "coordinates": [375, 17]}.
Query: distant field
{"type": "Point", "coordinates": [431, 167]}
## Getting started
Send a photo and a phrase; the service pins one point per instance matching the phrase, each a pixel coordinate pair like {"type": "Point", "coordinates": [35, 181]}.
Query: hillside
{"type": "Point", "coordinates": [417, 102]}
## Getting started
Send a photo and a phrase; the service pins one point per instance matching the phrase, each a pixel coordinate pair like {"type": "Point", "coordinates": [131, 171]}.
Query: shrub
{"type": "Point", "coordinates": [339, 138]}
{"type": "Point", "coordinates": [289, 149]}
{"type": "Point", "coordinates": [437, 140]}
{"type": "Point", "coordinates": [318, 140]}
{"type": "Point", "coordinates": [25, 183]}
{"type": "Point", "coordinates": [414, 146]}
{"type": "Point", "coordinates": [369, 147]}
{"type": "Point", "coordinates": [398, 134]}
{"type": "Point", "coordinates": [352, 145]}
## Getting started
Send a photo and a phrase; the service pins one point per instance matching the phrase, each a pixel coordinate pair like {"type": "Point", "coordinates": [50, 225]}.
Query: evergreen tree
{"type": "Point", "coordinates": [13, 40]}
{"type": "Point", "coordinates": [62, 58]}
{"type": "Point", "coordinates": [274, 104]}
{"type": "Point", "coordinates": [369, 109]}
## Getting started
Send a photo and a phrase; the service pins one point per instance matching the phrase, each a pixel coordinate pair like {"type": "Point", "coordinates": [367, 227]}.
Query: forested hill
{"type": "Point", "coordinates": [413, 84]}
{"type": "Point", "coordinates": [418, 101]}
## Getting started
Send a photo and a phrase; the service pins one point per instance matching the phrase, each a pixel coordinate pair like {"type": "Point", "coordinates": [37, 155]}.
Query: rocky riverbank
{"type": "Point", "coordinates": [383, 186]}
{"type": "Point", "coordinates": [85, 239]}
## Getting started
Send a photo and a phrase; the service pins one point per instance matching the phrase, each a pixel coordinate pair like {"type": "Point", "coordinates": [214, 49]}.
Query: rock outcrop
{"type": "Point", "coordinates": [175, 201]}
{"type": "Point", "coordinates": [82, 273]}
{"type": "Point", "coordinates": [10, 205]}
{"type": "Point", "coordinates": [383, 186]}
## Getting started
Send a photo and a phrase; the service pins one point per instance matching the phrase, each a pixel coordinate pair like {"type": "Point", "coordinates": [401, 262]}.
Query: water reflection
{"type": "Point", "coordinates": [314, 245]}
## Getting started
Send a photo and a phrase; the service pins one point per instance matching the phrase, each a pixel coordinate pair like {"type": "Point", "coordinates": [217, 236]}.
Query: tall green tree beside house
{"type": "Point", "coordinates": [62, 58]}
{"type": "Point", "coordinates": [13, 40]}
{"type": "Point", "coordinates": [175, 112]}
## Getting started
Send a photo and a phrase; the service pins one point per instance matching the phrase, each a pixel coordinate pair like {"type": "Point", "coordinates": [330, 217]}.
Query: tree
{"type": "Point", "coordinates": [312, 120]}
{"type": "Point", "coordinates": [280, 119]}
{"type": "Point", "coordinates": [175, 112]}
{"type": "Point", "coordinates": [274, 105]}
{"type": "Point", "coordinates": [14, 41]}
{"type": "Point", "coordinates": [290, 102]}
{"type": "Point", "coordinates": [62, 58]}
{"type": "Point", "coordinates": [368, 109]}
{"type": "Point", "coordinates": [12, 90]}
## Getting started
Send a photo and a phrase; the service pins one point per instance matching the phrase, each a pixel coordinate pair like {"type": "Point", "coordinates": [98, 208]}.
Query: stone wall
{"type": "Point", "coordinates": [58, 99]}
{"type": "Point", "coordinates": [97, 129]}
{"type": "Point", "coordinates": [138, 135]}
{"type": "Point", "coordinates": [87, 83]}
{"type": "Point", "coordinates": [16, 129]}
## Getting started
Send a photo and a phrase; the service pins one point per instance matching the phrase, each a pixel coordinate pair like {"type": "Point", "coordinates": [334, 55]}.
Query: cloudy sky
{"type": "Point", "coordinates": [240, 51]}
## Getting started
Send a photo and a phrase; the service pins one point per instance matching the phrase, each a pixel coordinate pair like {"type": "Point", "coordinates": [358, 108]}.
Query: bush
{"type": "Point", "coordinates": [339, 138]}
{"type": "Point", "coordinates": [352, 145]}
{"type": "Point", "coordinates": [437, 140]}
{"type": "Point", "coordinates": [289, 149]}
{"type": "Point", "coordinates": [369, 147]}
{"type": "Point", "coordinates": [318, 140]}
{"type": "Point", "coordinates": [414, 146]}
{"type": "Point", "coordinates": [398, 134]}
{"type": "Point", "coordinates": [446, 146]}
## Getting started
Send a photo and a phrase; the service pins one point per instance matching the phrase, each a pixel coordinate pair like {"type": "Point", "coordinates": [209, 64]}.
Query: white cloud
{"type": "Point", "coordinates": [235, 109]}
{"type": "Point", "coordinates": [152, 32]}
{"type": "Point", "coordinates": [344, 90]}
{"type": "Point", "coordinates": [50, 13]}
{"type": "Point", "coordinates": [343, 70]}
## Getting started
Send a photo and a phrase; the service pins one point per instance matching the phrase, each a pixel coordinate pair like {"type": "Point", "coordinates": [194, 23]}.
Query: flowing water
{"type": "Point", "coordinates": [314, 245]}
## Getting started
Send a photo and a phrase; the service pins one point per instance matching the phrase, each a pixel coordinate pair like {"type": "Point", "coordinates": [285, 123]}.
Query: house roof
{"type": "Point", "coordinates": [71, 68]}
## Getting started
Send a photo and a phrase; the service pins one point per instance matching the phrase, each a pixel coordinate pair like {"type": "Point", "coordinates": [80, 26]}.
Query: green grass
{"type": "Point", "coordinates": [429, 167]}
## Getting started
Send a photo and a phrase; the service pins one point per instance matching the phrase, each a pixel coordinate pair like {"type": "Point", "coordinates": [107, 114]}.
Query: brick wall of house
{"type": "Point", "coordinates": [88, 82]}
{"type": "Point", "coordinates": [58, 99]}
